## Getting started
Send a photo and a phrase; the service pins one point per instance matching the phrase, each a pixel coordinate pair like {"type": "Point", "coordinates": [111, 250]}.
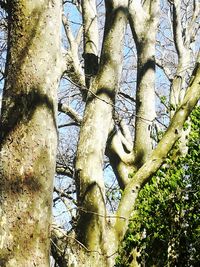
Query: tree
{"type": "Point", "coordinates": [35, 63]}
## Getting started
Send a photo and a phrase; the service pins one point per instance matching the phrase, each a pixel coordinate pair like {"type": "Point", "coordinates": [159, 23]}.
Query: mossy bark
{"type": "Point", "coordinates": [28, 132]}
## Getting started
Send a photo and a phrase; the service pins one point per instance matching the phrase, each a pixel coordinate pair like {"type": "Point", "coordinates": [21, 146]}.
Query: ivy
{"type": "Point", "coordinates": [165, 228]}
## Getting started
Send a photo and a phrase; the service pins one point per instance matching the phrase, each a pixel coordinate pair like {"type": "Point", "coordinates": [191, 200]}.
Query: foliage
{"type": "Point", "coordinates": [165, 228]}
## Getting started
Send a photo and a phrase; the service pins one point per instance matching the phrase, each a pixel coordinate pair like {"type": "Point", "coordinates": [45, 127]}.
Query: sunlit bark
{"type": "Point", "coordinates": [143, 22]}
{"type": "Point", "coordinates": [94, 133]}
{"type": "Point", "coordinates": [91, 39]}
{"type": "Point", "coordinates": [29, 132]}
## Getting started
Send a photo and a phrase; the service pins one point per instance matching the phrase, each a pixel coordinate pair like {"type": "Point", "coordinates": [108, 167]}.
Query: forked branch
{"type": "Point", "coordinates": [159, 155]}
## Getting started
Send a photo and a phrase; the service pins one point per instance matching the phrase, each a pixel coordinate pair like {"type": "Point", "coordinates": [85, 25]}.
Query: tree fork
{"type": "Point", "coordinates": [158, 156]}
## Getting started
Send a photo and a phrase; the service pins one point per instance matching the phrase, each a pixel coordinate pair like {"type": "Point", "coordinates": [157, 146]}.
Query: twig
{"type": "Point", "coordinates": [81, 244]}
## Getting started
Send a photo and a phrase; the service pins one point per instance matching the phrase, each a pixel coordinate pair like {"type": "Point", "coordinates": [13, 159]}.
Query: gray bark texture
{"type": "Point", "coordinates": [29, 132]}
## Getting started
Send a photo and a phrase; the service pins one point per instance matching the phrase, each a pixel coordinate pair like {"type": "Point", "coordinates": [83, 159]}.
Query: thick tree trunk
{"type": "Point", "coordinates": [93, 227]}
{"type": "Point", "coordinates": [28, 132]}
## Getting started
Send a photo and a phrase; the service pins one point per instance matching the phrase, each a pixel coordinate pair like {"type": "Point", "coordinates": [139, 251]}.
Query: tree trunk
{"type": "Point", "coordinates": [143, 22]}
{"type": "Point", "coordinates": [145, 98]}
{"type": "Point", "coordinates": [28, 132]}
{"type": "Point", "coordinates": [93, 227]}
{"type": "Point", "coordinates": [91, 40]}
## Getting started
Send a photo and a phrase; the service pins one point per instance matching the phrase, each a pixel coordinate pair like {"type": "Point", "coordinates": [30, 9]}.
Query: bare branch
{"type": "Point", "coordinates": [68, 124]}
{"type": "Point", "coordinates": [190, 32]}
{"type": "Point", "coordinates": [72, 66]}
{"type": "Point", "coordinates": [177, 28]}
{"type": "Point", "coordinates": [68, 31]}
{"type": "Point", "coordinates": [120, 152]}
{"type": "Point", "coordinates": [137, 14]}
{"type": "Point", "coordinates": [64, 193]}
{"type": "Point", "coordinates": [91, 39]}
{"type": "Point", "coordinates": [166, 70]}
{"type": "Point", "coordinates": [66, 171]}
{"type": "Point", "coordinates": [121, 146]}
{"type": "Point", "coordinates": [70, 112]}
{"type": "Point", "coordinates": [145, 39]}
{"type": "Point", "coordinates": [79, 35]}
{"type": "Point", "coordinates": [126, 137]}
{"type": "Point", "coordinates": [127, 96]}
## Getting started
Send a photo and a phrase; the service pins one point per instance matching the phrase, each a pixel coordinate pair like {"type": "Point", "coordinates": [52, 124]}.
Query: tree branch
{"type": "Point", "coordinates": [159, 155]}
{"type": "Point", "coordinates": [190, 32]}
{"type": "Point", "coordinates": [72, 69]}
{"type": "Point", "coordinates": [70, 112]}
{"type": "Point", "coordinates": [64, 171]}
{"type": "Point", "coordinates": [72, 66]}
{"type": "Point", "coordinates": [167, 72]}
{"type": "Point", "coordinates": [127, 96]}
{"type": "Point", "coordinates": [68, 124]}
{"type": "Point", "coordinates": [64, 193]}
{"type": "Point", "coordinates": [177, 28]}
{"type": "Point", "coordinates": [137, 15]}
{"type": "Point", "coordinates": [68, 31]}
{"type": "Point", "coordinates": [91, 39]}
{"type": "Point", "coordinates": [145, 39]}
{"type": "Point", "coordinates": [94, 132]}
{"type": "Point", "coordinates": [120, 153]}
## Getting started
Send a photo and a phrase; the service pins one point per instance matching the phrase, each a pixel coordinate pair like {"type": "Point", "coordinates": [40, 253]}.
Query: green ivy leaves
{"type": "Point", "coordinates": [165, 228]}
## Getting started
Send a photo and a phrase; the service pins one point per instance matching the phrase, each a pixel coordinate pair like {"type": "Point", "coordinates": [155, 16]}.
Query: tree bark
{"type": "Point", "coordinates": [143, 21]}
{"type": "Point", "coordinates": [183, 39]}
{"type": "Point", "coordinates": [91, 39]}
{"type": "Point", "coordinates": [29, 132]}
{"type": "Point", "coordinates": [92, 224]}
